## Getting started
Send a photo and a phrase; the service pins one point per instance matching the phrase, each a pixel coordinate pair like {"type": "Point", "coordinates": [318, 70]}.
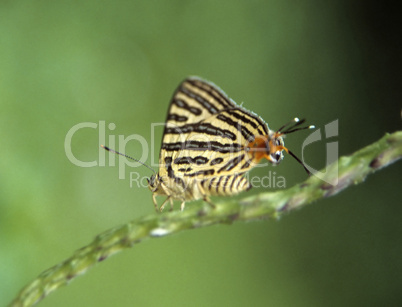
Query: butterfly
{"type": "Point", "coordinates": [209, 143]}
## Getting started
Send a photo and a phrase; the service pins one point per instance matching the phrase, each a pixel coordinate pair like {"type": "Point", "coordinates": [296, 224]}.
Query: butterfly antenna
{"type": "Point", "coordinates": [300, 161]}
{"type": "Point", "coordinates": [295, 127]}
{"type": "Point", "coordinates": [295, 120]}
{"type": "Point", "coordinates": [291, 127]}
{"type": "Point", "coordinates": [136, 160]}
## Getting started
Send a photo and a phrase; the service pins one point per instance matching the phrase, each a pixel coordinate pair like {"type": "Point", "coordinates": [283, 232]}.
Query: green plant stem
{"type": "Point", "coordinates": [349, 170]}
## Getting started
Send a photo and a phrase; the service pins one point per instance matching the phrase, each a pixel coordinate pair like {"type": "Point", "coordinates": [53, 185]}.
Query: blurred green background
{"type": "Point", "coordinates": [63, 63]}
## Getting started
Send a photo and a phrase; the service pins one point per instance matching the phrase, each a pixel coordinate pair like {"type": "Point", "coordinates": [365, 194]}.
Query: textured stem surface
{"type": "Point", "coordinates": [349, 170]}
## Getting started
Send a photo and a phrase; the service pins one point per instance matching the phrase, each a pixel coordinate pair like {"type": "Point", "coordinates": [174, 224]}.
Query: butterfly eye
{"type": "Point", "coordinates": [278, 156]}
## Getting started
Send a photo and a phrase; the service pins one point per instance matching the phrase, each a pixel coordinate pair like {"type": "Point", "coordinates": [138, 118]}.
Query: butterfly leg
{"type": "Point", "coordinates": [205, 196]}
{"type": "Point", "coordinates": [207, 200]}
{"type": "Point", "coordinates": [171, 204]}
{"type": "Point", "coordinates": [163, 204]}
{"type": "Point", "coordinates": [155, 202]}
{"type": "Point", "coordinates": [182, 205]}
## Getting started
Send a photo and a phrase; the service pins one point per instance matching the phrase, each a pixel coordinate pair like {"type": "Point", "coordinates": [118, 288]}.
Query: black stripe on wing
{"type": "Point", "coordinates": [214, 92]}
{"type": "Point", "coordinates": [205, 104]}
{"type": "Point", "coordinates": [198, 160]}
{"type": "Point", "coordinates": [231, 164]}
{"type": "Point", "coordinates": [170, 172]}
{"type": "Point", "coordinates": [185, 106]}
{"type": "Point", "coordinates": [203, 146]}
{"type": "Point", "coordinates": [202, 128]}
{"type": "Point", "coordinates": [246, 133]}
{"type": "Point", "coordinates": [226, 184]}
{"type": "Point", "coordinates": [248, 118]}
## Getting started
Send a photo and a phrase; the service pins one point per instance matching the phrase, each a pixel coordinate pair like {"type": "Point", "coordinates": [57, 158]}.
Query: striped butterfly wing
{"type": "Point", "coordinates": [195, 100]}
{"type": "Point", "coordinates": [205, 139]}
